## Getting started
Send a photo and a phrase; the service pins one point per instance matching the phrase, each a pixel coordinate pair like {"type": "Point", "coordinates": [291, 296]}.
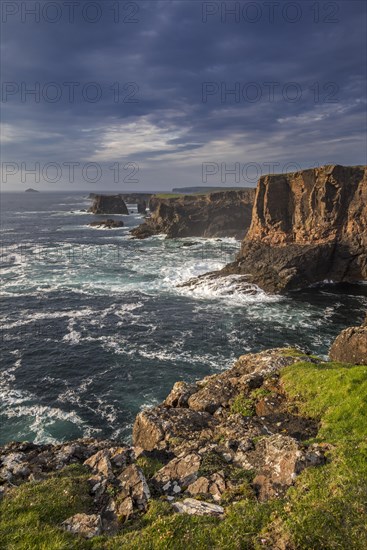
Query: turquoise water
{"type": "Point", "coordinates": [94, 326]}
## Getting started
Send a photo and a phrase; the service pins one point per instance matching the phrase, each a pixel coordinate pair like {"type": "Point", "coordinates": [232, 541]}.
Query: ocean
{"type": "Point", "coordinates": [94, 327]}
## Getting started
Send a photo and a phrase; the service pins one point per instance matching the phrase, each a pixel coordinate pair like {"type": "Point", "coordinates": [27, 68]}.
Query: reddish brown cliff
{"type": "Point", "coordinates": [306, 227]}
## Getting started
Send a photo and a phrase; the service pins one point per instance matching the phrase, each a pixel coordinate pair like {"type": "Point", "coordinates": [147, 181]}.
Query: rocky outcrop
{"type": "Point", "coordinates": [108, 204]}
{"type": "Point", "coordinates": [307, 227]}
{"type": "Point", "coordinates": [108, 224]}
{"type": "Point", "coordinates": [212, 442]}
{"type": "Point", "coordinates": [220, 214]}
{"type": "Point", "coordinates": [142, 206]}
{"type": "Point", "coordinates": [230, 430]}
{"type": "Point", "coordinates": [351, 346]}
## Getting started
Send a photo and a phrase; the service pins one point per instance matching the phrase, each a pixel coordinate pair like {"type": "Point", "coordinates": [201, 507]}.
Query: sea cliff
{"type": "Point", "coordinates": [307, 227]}
{"type": "Point", "coordinates": [219, 214]}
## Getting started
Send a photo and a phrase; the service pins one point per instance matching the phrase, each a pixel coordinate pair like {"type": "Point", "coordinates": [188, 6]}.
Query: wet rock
{"type": "Point", "coordinates": [198, 508]}
{"type": "Point", "coordinates": [142, 207]}
{"type": "Point", "coordinates": [85, 525]}
{"type": "Point", "coordinates": [108, 224]}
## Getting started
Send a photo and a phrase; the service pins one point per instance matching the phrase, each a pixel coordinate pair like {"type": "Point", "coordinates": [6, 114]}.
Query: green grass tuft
{"type": "Point", "coordinates": [149, 466]}
{"type": "Point", "coordinates": [32, 513]}
{"type": "Point", "coordinates": [243, 405]}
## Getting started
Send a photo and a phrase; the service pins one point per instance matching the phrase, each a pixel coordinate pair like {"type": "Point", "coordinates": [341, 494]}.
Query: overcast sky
{"type": "Point", "coordinates": [148, 89]}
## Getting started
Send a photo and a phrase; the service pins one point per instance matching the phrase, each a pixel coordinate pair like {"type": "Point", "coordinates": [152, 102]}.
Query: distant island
{"type": "Point", "coordinates": [30, 190]}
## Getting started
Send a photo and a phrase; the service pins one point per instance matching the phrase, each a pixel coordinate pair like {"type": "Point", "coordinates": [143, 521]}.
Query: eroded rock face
{"type": "Point", "coordinates": [219, 214]}
{"type": "Point", "coordinates": [155, 428]}
{"type": "Point", "coordinates": [108, 204]}
{"type": "Point", "coordinates": [351, 346]}
{"type": "Point", "coordinates": [307, 227]}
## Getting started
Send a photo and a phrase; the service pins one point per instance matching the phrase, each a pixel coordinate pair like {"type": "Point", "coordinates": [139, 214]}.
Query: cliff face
{"type": "Point", "coordinates": [108, 204]}
{"type": "Point", "coordinates": [221, 214]}
{"type": "Point", "coordinates": [306, 227]}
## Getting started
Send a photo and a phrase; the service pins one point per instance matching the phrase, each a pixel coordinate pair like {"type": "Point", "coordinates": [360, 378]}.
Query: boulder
{"type": "Point", "coordinates": [100, 463]}
{"type": "Point", "coordinates": [180, 394]}
{"type": "Point", "coordinates": [351, 346]}
{"type": "Point", "coordinates": [178, 473]}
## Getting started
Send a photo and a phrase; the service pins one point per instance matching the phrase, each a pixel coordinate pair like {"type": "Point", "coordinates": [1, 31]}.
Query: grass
{"type": "Point", "coordinates": [243, 405]}
{"type": "Point", "coordinates": [325, 510]}
{"type": "Point", "coordinates": [149, 466]}
{"type": "Point", "coordinates": [31, 516]}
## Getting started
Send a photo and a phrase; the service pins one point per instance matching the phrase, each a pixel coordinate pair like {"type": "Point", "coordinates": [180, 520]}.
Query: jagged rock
{"type": "Point", "coordinates": [214, 485]}
{"type": "Point", "coordinates": [351, 346]}
{"type": "Point", "coordinates": [218, 214]}
{"type": "Point", "coordinates": [85, 525]}
{"type": "Point", "coordinates": [108, 204]}
{"type": "Point", "coordinates": [198, 508]}
{"type": "Point", "coordinates": [154, 428]}
{"type": "Point", "coordinates": [134, 493]}
{"type": "Point", "coordinates": [214, 395]}
{"type": "Point", "coordinates": [180, 394]}
{"type": "Point", "coordinates": [100, 463]}
{"type": "Point", "coordinates": [179, 472]}
{"type": "Point", "coordinates": [98, 486]}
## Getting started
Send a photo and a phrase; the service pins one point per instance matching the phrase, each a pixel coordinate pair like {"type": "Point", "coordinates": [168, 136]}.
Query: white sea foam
{"type": "Point", "coordinates": [231, 288]}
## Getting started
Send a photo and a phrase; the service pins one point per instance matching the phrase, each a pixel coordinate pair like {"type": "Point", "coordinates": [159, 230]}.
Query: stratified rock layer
{"type": "Point", "coordinates": [307, 227]}
{"type": "Point", "coordinates": [220, 214]}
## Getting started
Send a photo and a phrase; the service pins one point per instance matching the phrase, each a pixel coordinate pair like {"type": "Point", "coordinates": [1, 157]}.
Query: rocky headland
{"type": "Point", "coordinates": [307, 227]}
{"type": "Point", "coordinates": [219, 214]}
{"type": "Point", "coordinates": [250, 445]}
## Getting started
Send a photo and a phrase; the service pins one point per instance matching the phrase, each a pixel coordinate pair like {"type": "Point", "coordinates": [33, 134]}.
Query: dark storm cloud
{"type": "Point", "coordinates": [300, 87]}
